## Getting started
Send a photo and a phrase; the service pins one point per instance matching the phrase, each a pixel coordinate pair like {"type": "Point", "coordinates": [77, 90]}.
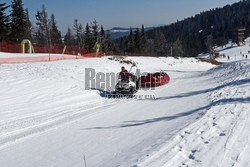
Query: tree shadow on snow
{"type": "Point", "coordinates": [200, 110]}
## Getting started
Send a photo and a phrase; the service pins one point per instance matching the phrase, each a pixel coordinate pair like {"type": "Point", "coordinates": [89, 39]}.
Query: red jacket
{"type": "Point", "coordinates": [125, 74]}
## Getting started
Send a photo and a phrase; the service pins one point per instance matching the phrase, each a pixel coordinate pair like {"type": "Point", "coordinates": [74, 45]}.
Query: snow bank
{"type": "Point", "coordinates": [221, 137]}
{"type": "Point", "coordinates": [229, 72]}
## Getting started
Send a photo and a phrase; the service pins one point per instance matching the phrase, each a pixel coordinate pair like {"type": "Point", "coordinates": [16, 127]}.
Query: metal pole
{"type": "Point", "coordinates": [171, 50]}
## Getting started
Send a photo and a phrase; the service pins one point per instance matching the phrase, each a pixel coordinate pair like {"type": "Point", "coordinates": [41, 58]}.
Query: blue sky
{"type": "Point", "coordinates": [121, 13]}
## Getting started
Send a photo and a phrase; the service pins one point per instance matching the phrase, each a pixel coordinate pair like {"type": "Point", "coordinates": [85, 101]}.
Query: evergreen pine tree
{"type": "Point", "coordinates": [78, 29]}
{"type": "Point", "coordinates": [209, 44]}
{"type": "Point", "coordinates": [103, 40]}
{"type": "Point", "coordinates": [55, 34]}
{"type": "Point", "coordinates": [42, 34]}
{"type": "Point", "coordinates": [131, 41]}
{"type": "Point", "coordinates": [109, 42]}
{"type": "Point", "coordinates": [178, 49]}
{"type": "Point", "coordinates": [95, 32]}
{"type": "Point", "coordinates": [69, 38]}
{"type": "Point", "coordinates": [123, 45]}
{"type": "Point", "coordinates": [88, 40]}
{"type": "Point", "coordinates": [81, 35]}
{"type": "Point", "coordinates": [3, 22]}
{"type": "Point", "coordinates": [20, 25]}
{"type": "Point", "coordinates": [137, 40]}
{"type": "Point", "coordinates": [143, 39]}
{"type": "Point", "coordinates": [160, 43]}
{"type": "Point", "coordinates": [28, 32]}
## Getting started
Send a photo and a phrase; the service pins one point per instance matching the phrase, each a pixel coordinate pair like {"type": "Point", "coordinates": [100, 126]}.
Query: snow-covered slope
{"type": "Point", "coordinates": [221, 137]}
{"type": "Point", "coordinates": [231, 52]}
{"type": "Point", "coordinates": [49, 119]}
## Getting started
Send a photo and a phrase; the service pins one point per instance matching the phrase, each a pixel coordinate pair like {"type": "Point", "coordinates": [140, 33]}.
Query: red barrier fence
{"type": "Point", "coordinates": [129, 54]}
{"type": "Point", "coordinates": [38, 48]}
{"type": "Point", "coordinates": [71, 52]}
{"type": "Point", "coordinates": [10, 47]}
{"type": "Point", "coordinates": [58, 49]}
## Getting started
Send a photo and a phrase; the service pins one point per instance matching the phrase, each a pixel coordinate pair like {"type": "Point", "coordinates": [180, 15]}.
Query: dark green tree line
{"type": "Point", "coordinates": [136, 41]}
{"type": "Point", "coordinates": [4, 22]}
{"type": "Point", "coordinates": [190, 36]}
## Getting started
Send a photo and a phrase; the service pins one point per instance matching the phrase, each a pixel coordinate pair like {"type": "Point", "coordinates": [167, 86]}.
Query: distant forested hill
{"type": "Point", "coordinates": [192, 35]}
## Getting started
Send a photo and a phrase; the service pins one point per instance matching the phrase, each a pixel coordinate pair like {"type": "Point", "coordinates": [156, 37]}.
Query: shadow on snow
{"type": "Point", "coordinates": [176, 116]}
{"type": "Point", "coordinates": [235, 83]}
{"type": "Point", "coordinates": [126, 124]}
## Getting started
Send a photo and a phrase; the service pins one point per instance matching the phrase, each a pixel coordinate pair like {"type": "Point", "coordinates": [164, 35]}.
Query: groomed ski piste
{"type": "Point", "coordinates": [200, 118]}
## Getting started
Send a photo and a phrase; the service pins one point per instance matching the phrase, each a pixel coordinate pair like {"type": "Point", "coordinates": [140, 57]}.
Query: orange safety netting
{"type": "Point", "coordinates": [70, 52]}
{"type": "Point", "coordinates": [39, 48]}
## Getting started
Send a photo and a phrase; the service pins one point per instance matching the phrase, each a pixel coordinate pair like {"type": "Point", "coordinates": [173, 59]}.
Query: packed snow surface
{"type": "Point", "coordinates": [201, 118]}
